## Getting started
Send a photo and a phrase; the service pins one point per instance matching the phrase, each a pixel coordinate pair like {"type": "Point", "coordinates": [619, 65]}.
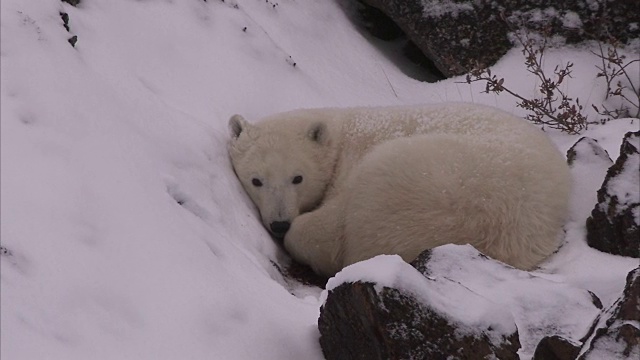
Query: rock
{"type": "Point", "coordinates": [302, 274]}
{"type": "Point", "coordinates": [65, 20]}
{"type": "Point", "coordinates": [587, 150]}
{"type": "Point", "coordinates": [539, 306]}
{"type": "Point", "coordinates": [379, 309]}
{"type": "Point", "coordinates": [409, 316]}
{"type": "Point", "coordinates": [73, 40]}
{"type": "Point", "coordinates": [556, 348]}
{"type": "Point", "coordinates": [614, 225]}
{"type": "Point", "coordinates": [72, 2]}
{"type": "Point", "coordinates": [616, 334]}
{"type": "Point", "coordinates": [589, 163]}
{"type": "Point", "coordinates": [451, 37]}
{"type": "Point", "coordinates": [4, 251]}
{"type": "Point", "coordinates": [458, 34]}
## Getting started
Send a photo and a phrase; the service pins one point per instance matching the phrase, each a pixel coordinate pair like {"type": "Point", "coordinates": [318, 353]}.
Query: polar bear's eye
{"type": "Point", "coordinates": [297, 179]}
{"type": "Point", "coordinates": [256, 182]}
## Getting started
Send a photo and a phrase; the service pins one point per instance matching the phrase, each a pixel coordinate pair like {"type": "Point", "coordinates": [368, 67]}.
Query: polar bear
{"type": "Point", "coordinates": [344, 185]}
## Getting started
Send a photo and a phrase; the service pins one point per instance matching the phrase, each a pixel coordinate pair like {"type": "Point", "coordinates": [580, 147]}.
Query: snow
{"type": "Point", "coordinates": [539, 305]}
{"type": "Point", "coordinates": [571, 20]}
{"type": "Point", "coordinates": [604, 345]}
{"type": "Point", "coordinates": [483, 289]}
{"type": "Point", "coordinates": [439, 8]}
{"type": "Point", "coordinates": [625, 186]}
{"type": "Point", "coordinates": [448, 297]}
{"type": "Point", "coordinates": [128, 235]}
{"type": "Point", "coordinates": [590, 166]}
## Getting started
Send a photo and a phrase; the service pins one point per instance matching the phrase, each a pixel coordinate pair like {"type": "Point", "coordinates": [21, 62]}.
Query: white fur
{"type": "Point", "coordinates": [400, 180]}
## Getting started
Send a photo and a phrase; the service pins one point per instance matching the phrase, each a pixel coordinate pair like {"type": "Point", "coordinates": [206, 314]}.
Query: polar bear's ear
{"type": "Point", "coordinates": [319, 133]}
{"type": "Point", "coordinates": [237, 124]}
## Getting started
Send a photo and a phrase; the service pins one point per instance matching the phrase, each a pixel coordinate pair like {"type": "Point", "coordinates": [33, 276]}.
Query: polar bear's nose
{"type": "Point", "coordinates": [280, 227]}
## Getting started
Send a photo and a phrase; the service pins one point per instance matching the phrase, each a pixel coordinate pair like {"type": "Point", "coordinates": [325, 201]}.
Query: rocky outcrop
{"type": "Point", "coordinates": [617, 333]}
{"type": "Point", "coordinates": [458, 34]}
{"type": "Point", "coordinates": [361, 321]}
{"type": "Point", "coordinates": [614, 225]}
{"type": "Point", "coordinates": [556, 348]}
{"type": "Point", "coordinates": [588, 150]}
{"type": "Point", "coordinates": [411, 311]}
{"type": "Point", "coordinates": [614, 335]}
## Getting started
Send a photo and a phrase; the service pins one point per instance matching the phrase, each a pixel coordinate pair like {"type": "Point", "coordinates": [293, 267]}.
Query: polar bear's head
{"type": "Point", "coordinates": [282, 165]}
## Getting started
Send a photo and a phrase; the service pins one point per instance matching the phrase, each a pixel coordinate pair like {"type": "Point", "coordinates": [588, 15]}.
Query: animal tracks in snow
{"type": "Point", "coordinates": [187, 202]}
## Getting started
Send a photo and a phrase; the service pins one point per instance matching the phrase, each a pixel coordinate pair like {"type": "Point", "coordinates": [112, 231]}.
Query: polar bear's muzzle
{"type": "Point", "coordinates": [279, 228]}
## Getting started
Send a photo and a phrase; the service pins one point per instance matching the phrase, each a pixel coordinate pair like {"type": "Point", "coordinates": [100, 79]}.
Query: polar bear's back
{"type": "Point", "coordinates": [383, 123]}
{"type": "Point", "coordinates": [414, 193]}
{"type": "Point", "coordinates": [368, 126]}
{"type": "Point", "coordinates": [364, 128]}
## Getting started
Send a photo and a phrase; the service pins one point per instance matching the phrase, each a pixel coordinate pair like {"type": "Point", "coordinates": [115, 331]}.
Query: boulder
{"type": "Point", "coordinates": [458, 34]}
{"type": "Point", "coordinates": [387, 309]}
{"type": "Point", "coordinates": [556, 348]}
{"type": "Point", "coordinates": [614, 224]}
{"type": "Point", "coordinates": [616, 333]}
{"type": "Point", "coordinates": [540, 307]}
{"type": "Point", "coordinates": [587, 150]}
{"type": "Point", "coordinates": [409, 316]}
{"type": "Point", "coordinates": [589, 163]}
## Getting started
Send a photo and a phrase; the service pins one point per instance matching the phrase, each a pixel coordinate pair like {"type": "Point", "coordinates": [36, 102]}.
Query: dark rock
{"type": "Point", "coordinates": [377, 23]}
{"type": "Point", "coordinates": [596, 300]}
{"type": "Point", "coordinates": [304, 274]}
{"type": "Point", "coordinates": [65, 20]}
{"type": "Point", "coordinates": [73, 40]}
{"type": "Point", "coordinates": [359, 321]}
{"type": "Point", "coordinates": [556, 348]}
{"type": "Point", "coordinates": [614, 225]}
{"type": "Point", "coordinates": [392, 42]}
{"type": "Point", "coordinates": [72, 2]}
{"type": "Point", "coordinates": [459, 34]}
{"type": "Point", "coordinates": [616, 334]}
{"type": "Point", "coordinates": [299, 274]}
{"type": "Point", "coordinates": [629, 308]}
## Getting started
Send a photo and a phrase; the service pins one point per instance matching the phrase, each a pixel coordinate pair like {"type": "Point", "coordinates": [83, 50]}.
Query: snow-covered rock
{"type": "Point", "coordinates": [614, 225]}
{"type": "Point", "coordinates": [616, 334]}
{"type": "Point", "coordinates": [463, 284]}
{"type": "Point", "coordinates": [394, 312]}
{"type": "Point", "coordinates": [456, 35]}
{"type": "Point", "coordinates": [556, 348]}
{"type": "Point", "coordinates": [540, 306]}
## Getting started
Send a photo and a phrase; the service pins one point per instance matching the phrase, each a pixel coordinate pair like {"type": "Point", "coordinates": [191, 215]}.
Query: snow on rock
{"type": "Point", "coordinates": [470, 289]}
{"type": "Point", "coordinates": [540, 306]}
{"type": "Point", "coordinates": [614, 225]}
{"type": "Point", "coordinates": [447, 298]}
{"type": "Point", "coordinates": [589, 163]}
{"type": "Point", "coordinates": [383, 308]}
{"type": "Point", "coordinates": [616, 333]}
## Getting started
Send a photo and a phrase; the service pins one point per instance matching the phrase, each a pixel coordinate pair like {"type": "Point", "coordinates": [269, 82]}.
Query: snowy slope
{"type": "Point", "coordinates": [128, 235]}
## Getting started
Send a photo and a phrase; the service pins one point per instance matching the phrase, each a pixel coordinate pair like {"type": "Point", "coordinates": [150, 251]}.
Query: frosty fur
{"type": "Point", "coordinates": [400, 180]}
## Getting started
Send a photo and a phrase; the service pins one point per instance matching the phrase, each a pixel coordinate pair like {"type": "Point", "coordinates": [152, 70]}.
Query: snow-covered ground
{"type": "Point", "coordinates": [126, 231]}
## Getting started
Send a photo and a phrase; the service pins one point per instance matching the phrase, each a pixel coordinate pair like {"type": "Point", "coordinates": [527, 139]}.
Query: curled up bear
{"type": "Point", "coordinates": [343, 185]}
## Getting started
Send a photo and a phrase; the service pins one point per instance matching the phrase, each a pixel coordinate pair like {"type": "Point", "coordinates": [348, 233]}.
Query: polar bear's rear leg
{"type": "Point", "coordinates": [316, 238]}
